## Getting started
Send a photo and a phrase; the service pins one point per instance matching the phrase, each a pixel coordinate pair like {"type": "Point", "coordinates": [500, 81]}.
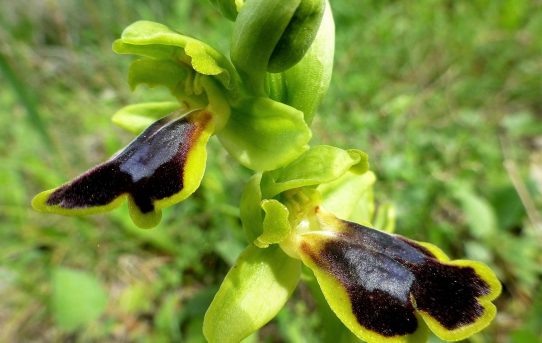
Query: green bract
{"type": "Point", "coordinates": [304, 205]}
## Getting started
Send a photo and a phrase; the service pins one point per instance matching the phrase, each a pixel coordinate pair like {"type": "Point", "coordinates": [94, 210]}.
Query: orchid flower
{"type": "Point", "coordinates": [382, 286]}
{"type": "Point", "coordinates": [304, 206]}
{"type": "Point", "coordinates": [166, 162]}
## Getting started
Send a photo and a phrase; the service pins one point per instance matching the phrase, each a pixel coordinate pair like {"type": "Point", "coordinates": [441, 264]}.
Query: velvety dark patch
{"type": "Point", "coordinates": [150, 168]}
{"type": "Point", "coordinates": [448, 293]}
{"type": "Point", "coordinates": [381, 272]}
{"type": "Point", "coordinates": [377, 286]}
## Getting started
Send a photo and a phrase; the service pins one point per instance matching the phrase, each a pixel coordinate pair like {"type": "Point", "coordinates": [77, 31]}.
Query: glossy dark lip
{"type": "Point", "coordinates": [388, 278]}
{"type": "Point", "coordinates": [150, 168]}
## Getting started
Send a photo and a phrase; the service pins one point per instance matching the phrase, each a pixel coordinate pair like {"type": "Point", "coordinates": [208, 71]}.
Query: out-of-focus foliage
{"type": "Point", "coordinates": [445, 96]}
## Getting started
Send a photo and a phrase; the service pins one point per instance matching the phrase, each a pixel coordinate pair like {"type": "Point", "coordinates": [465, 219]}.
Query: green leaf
{"type": "Point", "coordinates": [78, 298]}
{"type": "Point", "coordinates": [350, 197]}
{"type": "Point", "coordinates": [479, 214]}
{"type": "Point", "coordinates": [157, 41]}
{"type": "Point", "coordinates": [136, 118]}
{"type": "Point", "coordinates": [320, 164]}
{"type": "Point", "coordinates": [136, 297]}
{"type": "Point", "coordinates": [263, 134]}
{"type": "Point", "coordinates": [253, 292]}
{"type": "Point", "coordinates": [276, 226]}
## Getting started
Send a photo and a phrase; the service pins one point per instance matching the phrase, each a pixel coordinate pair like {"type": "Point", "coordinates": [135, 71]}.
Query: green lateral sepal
{"type": "Point", "coordinates": [263, 134]}
{"type": "Point", "coordinates": [386, 288]}
{"type": "Point", "coordinates": [253, 292]}
{"type": "Point", "coordinates": [161, 167]}
{"type": "Point", "coordinates": [157, 41]}
{"type": "Point", "coordinates": [320, 164]}
{"type": "Point", "coordinates": [177, 78]}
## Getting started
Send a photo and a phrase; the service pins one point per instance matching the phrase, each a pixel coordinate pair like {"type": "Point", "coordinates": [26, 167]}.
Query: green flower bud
{"type": "Point", "coordinates": [273, 35]}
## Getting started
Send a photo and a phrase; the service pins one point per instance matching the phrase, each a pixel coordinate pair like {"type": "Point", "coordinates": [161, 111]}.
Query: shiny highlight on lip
{"type": "Point", "coordinates": [162, 166]}
{"type": "Point", "coordinates": [150, 168]}
{"type": "Point", "coordinates": [392, 282]}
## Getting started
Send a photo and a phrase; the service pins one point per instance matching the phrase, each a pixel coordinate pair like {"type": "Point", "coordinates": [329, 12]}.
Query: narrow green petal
{"type": "Point", "coordinates": [253, 292]}
{"type": "Point", "coordinates": [276, 226]}
{"type": "Point", "coordinates": [263, 134]}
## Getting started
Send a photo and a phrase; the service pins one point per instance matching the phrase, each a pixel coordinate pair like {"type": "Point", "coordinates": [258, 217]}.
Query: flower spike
{"type": "Point", "coordinates": [161, 167]}
{"type": "Point", "coordinates": [381, 285]}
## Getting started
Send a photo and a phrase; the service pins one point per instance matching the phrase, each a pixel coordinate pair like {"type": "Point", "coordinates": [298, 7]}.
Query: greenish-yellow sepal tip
{"type": "Point", "coordinates": [144, 220]}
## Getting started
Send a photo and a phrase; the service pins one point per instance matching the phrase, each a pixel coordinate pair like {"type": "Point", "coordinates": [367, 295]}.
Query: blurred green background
{"type": "Point", "coordinates": [445, 96]}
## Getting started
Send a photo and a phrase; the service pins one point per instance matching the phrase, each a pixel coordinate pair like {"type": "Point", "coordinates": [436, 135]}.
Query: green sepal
{"type": "Point", "coordinates": [320, 164]}
{"type": "Point", "coordinates": [157, 41]}
{"type": "Point", "coordinates": [350, 197]}
{"type": "Point", "coordinates": [253, 292]}
{"type": "Point", "coordinates": [152, 72]}
{"type": "Point", "coordinates": [137, 117]}
{"type": "Point", "coordinates": [298, 36]}
{"type": "Point", "coordinates": [250, 209]}
{"type": "Point", "coordinates": [276, 226]}
{"type": "Point", "coordinates": [291, 86]}
{"type": "Point", "coordinates": [258, 28]}
{"type": "Point", "coordinates": [263, 134]}
{"type": "Point", "coordinates": [179, 79]}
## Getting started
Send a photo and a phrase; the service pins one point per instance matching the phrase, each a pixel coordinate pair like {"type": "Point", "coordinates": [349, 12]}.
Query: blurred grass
{"type": "Point", "coordinates": [441, 94]}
